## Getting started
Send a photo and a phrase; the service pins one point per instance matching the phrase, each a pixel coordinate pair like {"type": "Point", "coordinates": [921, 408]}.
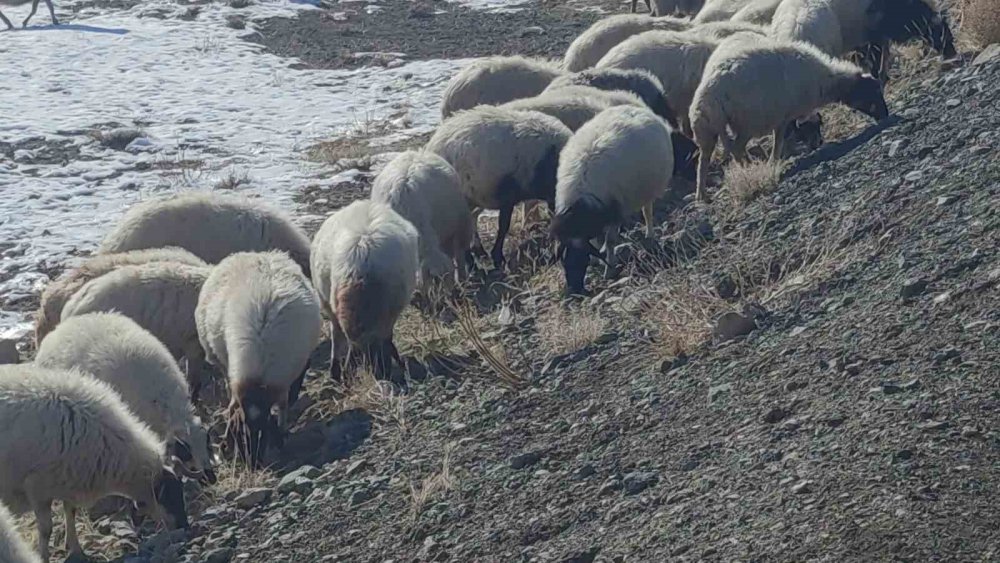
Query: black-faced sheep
{"type": "Point", "coordinates": [503, 158]}
{"type": "Point", "coordinates": [602, 36]}
{"type": "Point", "coordinates": [13, 548]}
{"type": "Point", "coordinates": [497, 80]}
{"type": "Point", "coordinates": [114, 349]}
{"type": "Point", "coordinates": [67, 436]}
{"type": "Point", "coordinates": [754, 86]}
{"type": "Point", "coordinates": [618, 163]}
{"type": "Point", "coordinates": [364, 263]}
{"type": "Point", "coordinates": [161, 298]}
{"type": "Point", "coordinates": [59, 291]}
{"type": "Point", "coordinates": [424, 189]}
{"type": "Point", "coordinates": [635, 81]}
{"type": "Point", "coordinates": [259, 321]}
{"type": "Point", "coordinates": [209, 225]}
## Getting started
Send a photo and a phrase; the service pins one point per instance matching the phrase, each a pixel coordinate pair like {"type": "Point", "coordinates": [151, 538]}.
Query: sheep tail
{"type": "Point", "coordinates": [358, 306]}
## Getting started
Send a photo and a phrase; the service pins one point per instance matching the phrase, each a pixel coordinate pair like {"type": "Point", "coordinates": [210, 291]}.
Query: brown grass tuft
{"type": "Point", "coordinates": [979, 21]}
{"type": "Point", "coordinates": [562, 330]}
{"type": "Point", "coordinates": [431, 487]}
{"type": "Point", "coordinates": [745, 182]}
{"type": "Point", "coordinates": [495, 358]}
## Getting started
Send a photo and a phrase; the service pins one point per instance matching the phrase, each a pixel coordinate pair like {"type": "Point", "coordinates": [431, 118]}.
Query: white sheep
{"type": "Point", "coordinates": [497, 80]}
{"type": "Point", "coordinates": [211, 226]}
{"type": "Point", "coordinates": [259, 320]}
{"type": "Point", "coordinates": [161, 297]}
{"type": "Point", "coordinates": [67, 436]}
{"type": "Point", "coordinates": [574, 106]}
{"type": "Point", "coordinates": [618, 163]}
{"type": "Point", "coordinates": [635, 81]}
{"type": "Point", "coordinates": [754, 86]}
{"type": "Point", "coordinates": [602, 36]}
{"type": "Point", "coordinates": [114, 349]}
{"type": "Point", "coordinates": [757, 12]}
{"type": "Point", "coordinates": [677, 59]}
{"type": "Point", "coordinates": [59, 291]}
{"type": "Point", "coordinates": [13, 548]}
{"type": "Point", "coordinates": [502, 157]}
{"type": "Point", "coordinates": [724, 29]}
{"type": "Point", "coordinates": [424, 189]}
{"type": "Point", "coordinates": [719, 10]}
{"type": "Point", "coordinates": [364, 263]}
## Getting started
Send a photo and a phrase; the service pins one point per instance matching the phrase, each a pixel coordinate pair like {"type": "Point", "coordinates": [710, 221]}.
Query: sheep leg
{"type": "Point", "coordinates": [705, 149]}
{"type": "Point", "coordinates": [34, 8]}
{"type": "Point", "coordinates": [497, 253]}
{"type": "Point", "coordinates": [779, 142]}
{"type": "Point", "coordinates": [43, 516]}
{"type": "Point", "coordinates": [739, 148]}
{"type": "Point", "coordinates": [611, 238]}
{"type": "Point", "coordinates": [338, 341]}
{"type": "Point", "coordinates": [52, 12]}
{"type": "Point", "coordinates": [72, 541]}
{"type": "Point", "coordinates": [6, 21]}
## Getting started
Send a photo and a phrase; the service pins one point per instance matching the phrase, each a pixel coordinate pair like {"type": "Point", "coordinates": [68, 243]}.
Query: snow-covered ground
{"type": "Point", "coordinates": [201, 94]}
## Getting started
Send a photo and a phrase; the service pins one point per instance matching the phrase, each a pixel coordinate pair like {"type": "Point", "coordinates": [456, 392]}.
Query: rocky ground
{"type": "Point", "coordinates": [806, 374]}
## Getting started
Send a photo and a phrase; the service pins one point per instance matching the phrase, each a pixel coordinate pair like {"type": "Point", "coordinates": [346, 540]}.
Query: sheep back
{"type": "Point", "coordinates": [574, 106]}
{"type": "Point", "coordinates": [810, 21]}
{"type": "Point", "coordinates": [496, 80]}
{"type": "Point", "coordinates": [757, 12]}
{"type": "Point", "coordinates": [637, 81]}
{"type": "Point", "coordinates": [599, 38]}
{"type": "Point", "coordinates": [719, 10]}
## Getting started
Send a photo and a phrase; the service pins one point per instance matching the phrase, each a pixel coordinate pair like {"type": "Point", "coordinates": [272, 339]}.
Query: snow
{"type": "Point", "coordinates": [209, 103]}
{"type": "Point", "coordinates": [493, 5]}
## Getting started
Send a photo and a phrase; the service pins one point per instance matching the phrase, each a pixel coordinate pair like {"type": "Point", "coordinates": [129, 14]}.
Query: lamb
{"type": "Point", "coordinates": [259, 320]}
{"type": "Point", "coordinates": [754, 86]}
{"type": "Point", "coordinates": [676, 59]}
{"type": "Point", "coordinates": [114, 349]}
{"type": "Point", "coordinates": [161, 297]}
{"type": "Point", "coordinates": [502, 157]}
{"type": "Point", "coordinates": [497, 80]}
{"type": "Point", "coordinates": [619, 162]}
{"type": "Point", "coordinates": [58, 292]}
{"type": "Point", "coordinates": [211, 226]}
{"type": "Point", "coordinates": [598, 39]}
{"type": "Point", "coordinates": [574, 106]}
{"type": "Point", "coordinates": [13, 549]}
{"type": "Point", "coordinates": [69, 437]}
{"type": "Point", "coordinates": [424, 189]}
{"type": "Point", "coordinates": [635, 81]}
{"type": "Point", "coordinates": [34, 8]}
{"type": "Point", "coordinates": [364, 263]}
{"type": "Point", "coordinates": [671, 7]}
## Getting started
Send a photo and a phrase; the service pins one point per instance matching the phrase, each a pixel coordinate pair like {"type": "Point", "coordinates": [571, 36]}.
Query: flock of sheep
{"type": "Point", "coordinates": [105, 408]}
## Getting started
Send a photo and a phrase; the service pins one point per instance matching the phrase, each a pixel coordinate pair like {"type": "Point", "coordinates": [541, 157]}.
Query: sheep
{"type": "Point", "coordinates": [675, 58]}
{"type": "Point", "coordinates": [497, 80]}
{"type": "Point", "coordinates": [719, 10]}
{"type": "Point", "coordinates": [671, 7]}
{"type": "Point", "coordinates": [618, 163]}
{"type": "Point", "coordinates": [754, 86]}
{"type": "Point", "coordinates": [13, 548]}
{"type": "Point", "coordinates": [502, 157]}
{"type": "Point", "coordinates": [259, 321]}
{"type": "Point", "coordinates": [211, 226]}
{"type": "Point", "coordinates": [161, 297]}
{"type": "Point", "coordinates": [114, 349]}
{"type": "Point", "coordinates": [722, 30]}
{"type": "Point", "coordinates": [757, 12]}
{"type": "Point", "coordinates": [364, 263]}
{"type": "Point", "coordinates": [34, 8]}
{"type": "Point", "coordinates": [598, 39]}
{"type": "Point", "coordinates": [574, 106]}
{"type": "Point", "coordinates": [67, 436]}
{"type": "Point", "coordinates": [424, 189]}
{"type": "Point", "coordinates": [58, 292]}
{"type": "Point", "coordinates": [635, 81]}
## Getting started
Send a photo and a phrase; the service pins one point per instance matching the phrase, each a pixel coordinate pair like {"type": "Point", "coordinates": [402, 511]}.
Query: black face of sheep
{"type": "Point", "coordinates": [864, 93]}
{"type": "Point", "coordinates": [903, 20]}
{"type": "Point", "coordinates": [170, 496]}
{"type": "Point", "coordinates": [685, 157]}
{"type": "Point", "coordinates": [576, 255]}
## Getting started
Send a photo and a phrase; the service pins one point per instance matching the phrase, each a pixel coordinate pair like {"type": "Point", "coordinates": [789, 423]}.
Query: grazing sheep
{"type": "Point", "coordinates": [574, 106]}
{"type": "Point", "coordinates": [161, 298]}
{"type": "Point", "coordinates": [114, 349]}
{"type": "Point", "coordinates": [502, 157]}
{"type": "Point", "coordinates": [635, 81]}
{"type": "Point", "coordinates": [59, 291]}
{"type": "Point", "coordinates": [754, 86]}
{"type": "Point", "coordinates": [67, 436]}
{"type": "Point", "coordinates": [618, 163]}
{"type": "Point", "coordinates": [722, 30]}
{"type": "Point", "coordinates": [364, 263]}
{"type": "Point", "coordinates": [676, 59]}
{"type": "Point", "coordinates": [424, 189]}
{"type": "Point", "coordinates": [719, 10]}
{"type": "Point", "coordinates": [34, 8]}
{"type": "Point", "coordinates": [598, 39]}
{"type": "Point", "coordinates": [757, 12]}
{"type": "Point", "coordinates": [210, 225]}
{"type": "Point", "coordinates": [259, 321]}
{"type": "Point", "coordinates": [497, 80]}
{"type": "Point", "coordinates": [671, 7]}
{"type": "Point", "coordinates": [13, 548]}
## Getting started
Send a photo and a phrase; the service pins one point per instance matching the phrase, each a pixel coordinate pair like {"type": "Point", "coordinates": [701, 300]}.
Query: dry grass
{"type": "Point", "coordinates": [431, 487]}
{"type": "Point", "coordinates": [233, 179]}
{"type": "Point", "coordinates": [234, 478]}
{"type": "Point", "coordinates": [682, 314]}
{"type": "Point", "coordinates": [979, 22]}
{"type": "Point", "coordinates": [360, 390]}
{"type": "Point", "coordinates": [495, 357]}
{"type": "Point", "coordinates": [745, 182]}
{"type": "Point", "coordinates": [562, 330]}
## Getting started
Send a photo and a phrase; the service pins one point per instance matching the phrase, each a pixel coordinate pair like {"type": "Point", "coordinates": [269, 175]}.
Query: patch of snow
{"type": "Point", "coordinates": [208, 102]}
{"type": "Point", "coordinates": [493, 5]}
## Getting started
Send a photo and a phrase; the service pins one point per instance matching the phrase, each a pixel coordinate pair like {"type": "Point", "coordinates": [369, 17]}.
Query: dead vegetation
{"type": "Point", "coordinates": [744, 182]}
{"type": "Point", "coordinates": [979, 22]}
{"type": "Point", "coordinates": [564, 329]}
{"type": "Point", "coordinates": [233, 179]}
{"type": "Point", "coordinates": [432, 487]}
